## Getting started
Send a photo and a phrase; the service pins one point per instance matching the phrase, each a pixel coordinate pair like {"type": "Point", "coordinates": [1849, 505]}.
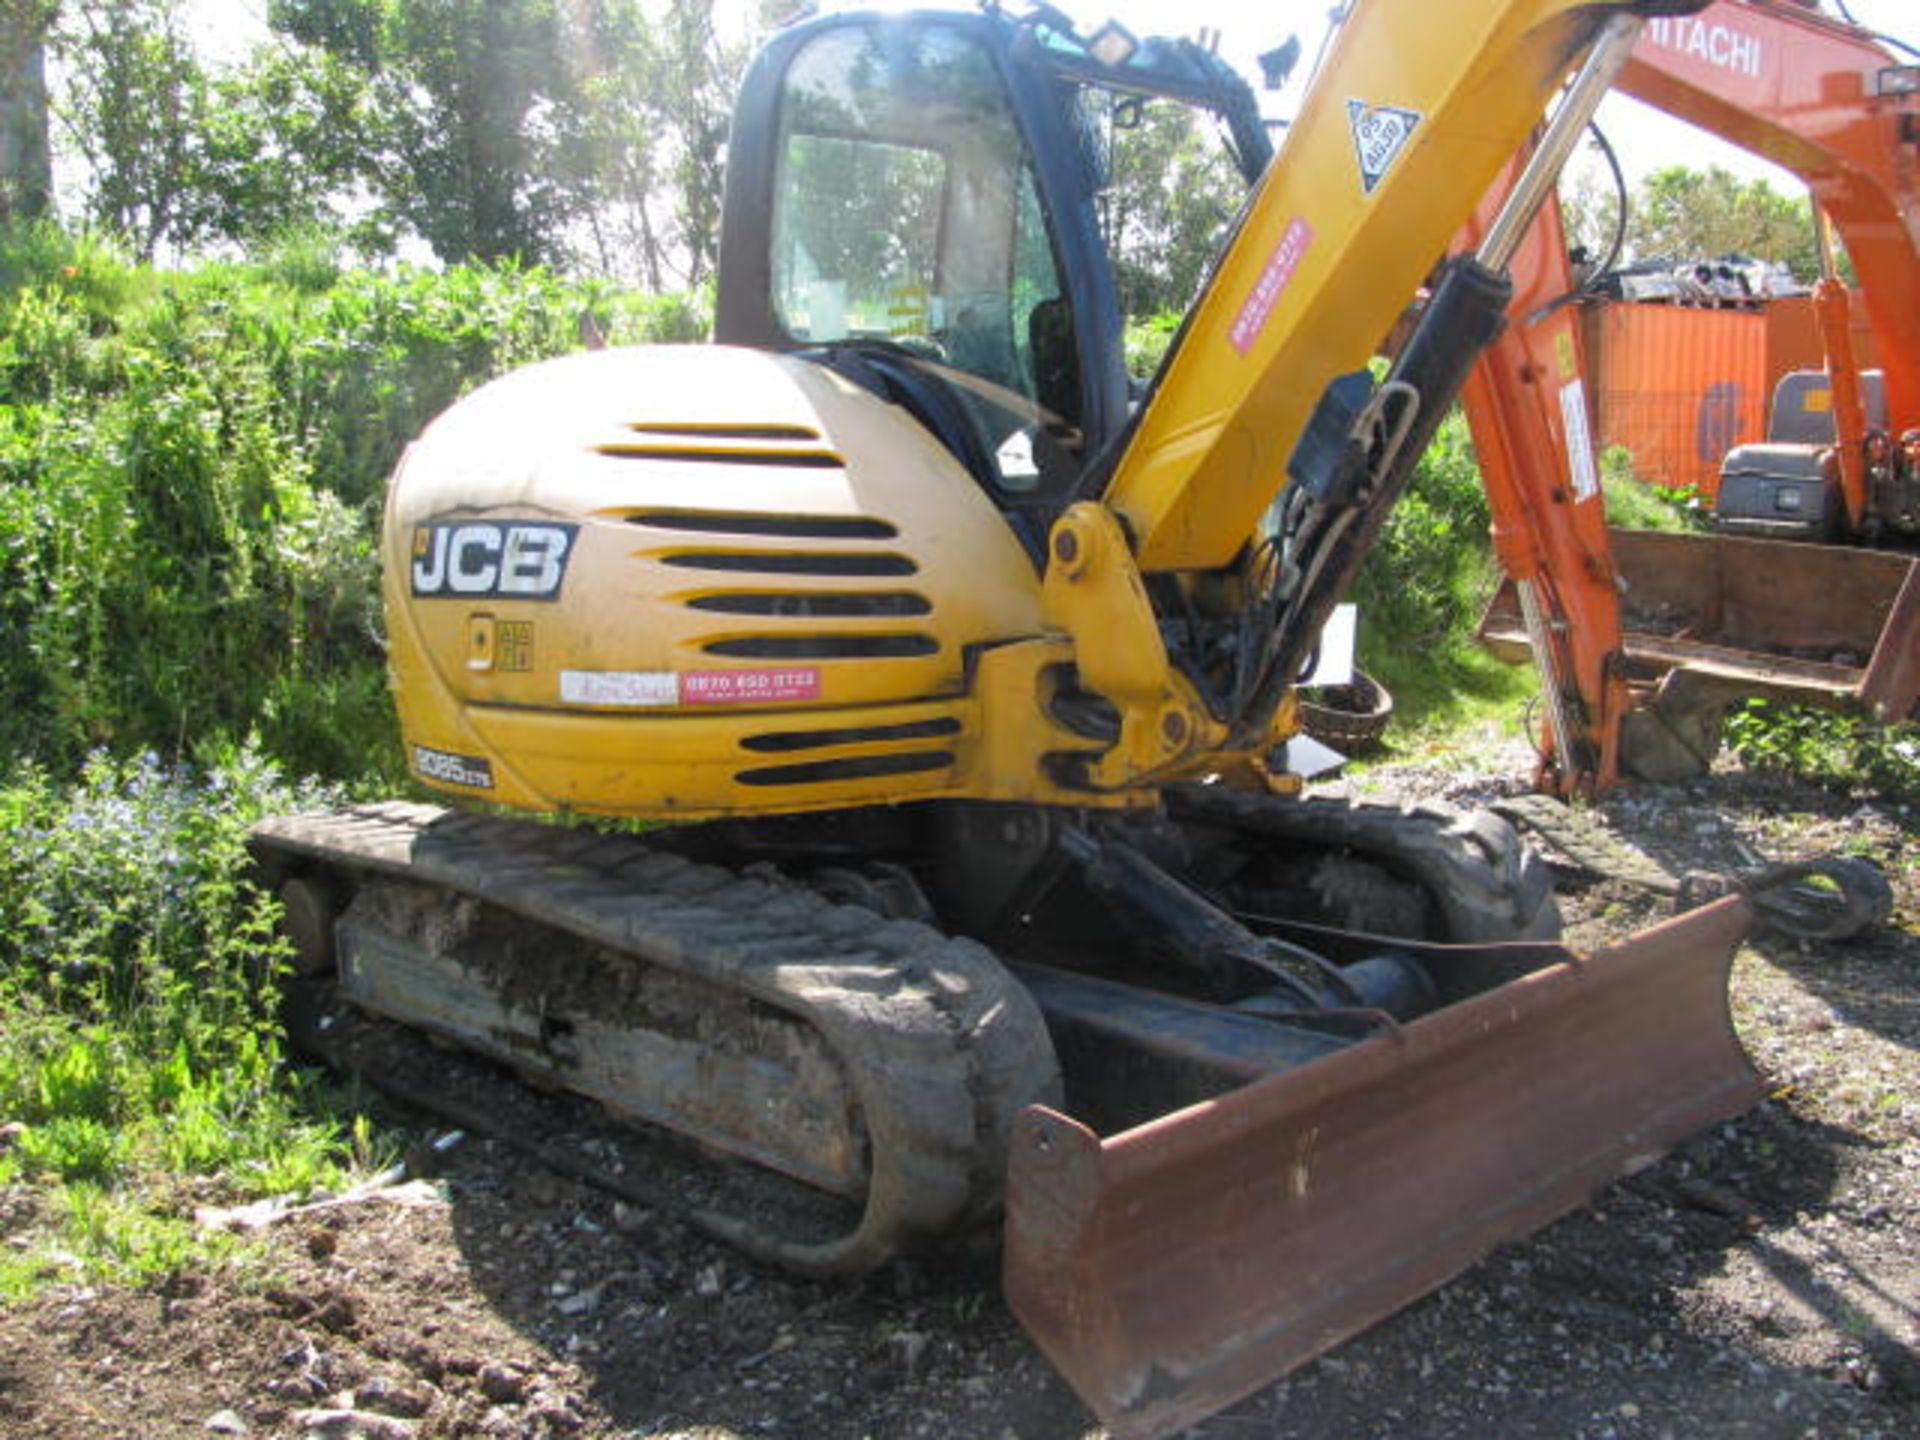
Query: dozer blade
{"type": "Point", "coordinates": [1734, 617]}
{"type": "Point", "coordinates": [1176, 1267]}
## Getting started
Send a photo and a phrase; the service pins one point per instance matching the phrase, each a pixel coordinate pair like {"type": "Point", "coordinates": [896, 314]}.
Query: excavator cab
{"type": "Point", "coordinates": [917, 202]}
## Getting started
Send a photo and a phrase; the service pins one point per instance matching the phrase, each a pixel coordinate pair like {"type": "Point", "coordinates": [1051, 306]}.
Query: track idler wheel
{"type": "Point", "coordinates": [310, 906]}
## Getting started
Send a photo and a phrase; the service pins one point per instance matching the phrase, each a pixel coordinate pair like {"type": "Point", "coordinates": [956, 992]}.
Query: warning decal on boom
{"type": "Point", "coordinates": [1380, 133]}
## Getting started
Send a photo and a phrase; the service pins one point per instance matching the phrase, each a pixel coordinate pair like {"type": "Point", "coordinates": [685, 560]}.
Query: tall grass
{"type": "Point", "coordinates": [139, 975]}
{"type": "Point", "coordinates": [191, 468]}
{"type": "Point", "coordinates": [1422, 589]}
{"type": "Point", "coordinates": [1636, 504]}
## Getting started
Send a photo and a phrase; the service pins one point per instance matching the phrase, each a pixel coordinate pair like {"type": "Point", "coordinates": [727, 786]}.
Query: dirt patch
{"type": "Point", "coordinates": [1763, 1282]}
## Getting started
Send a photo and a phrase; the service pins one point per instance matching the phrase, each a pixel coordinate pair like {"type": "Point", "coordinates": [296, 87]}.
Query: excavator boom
{"type": "Point", "coordinates": [1413, 118]}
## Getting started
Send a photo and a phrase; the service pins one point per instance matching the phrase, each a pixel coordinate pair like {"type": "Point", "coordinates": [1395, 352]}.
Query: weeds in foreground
{"type": "Point", "coordinates": [1828, 749]}
{"type": "Point", "coordinates": [142, 1071]}
{"type": "Point", "coordinates": [190, 471]}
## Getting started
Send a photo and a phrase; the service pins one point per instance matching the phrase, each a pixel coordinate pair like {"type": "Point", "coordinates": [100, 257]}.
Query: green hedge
{"type": "Point", "coordinates": [191, 469]}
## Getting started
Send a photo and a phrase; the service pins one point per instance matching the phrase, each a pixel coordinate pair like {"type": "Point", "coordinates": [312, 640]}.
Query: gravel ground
{"type": "Point", "coordinates": [1763, 1282]}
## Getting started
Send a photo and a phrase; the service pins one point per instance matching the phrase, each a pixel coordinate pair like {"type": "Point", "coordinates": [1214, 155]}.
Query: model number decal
{"type": "Point", "coordinates": [472, 771]}
{"type": "Point", "coordinates": [519, 560]}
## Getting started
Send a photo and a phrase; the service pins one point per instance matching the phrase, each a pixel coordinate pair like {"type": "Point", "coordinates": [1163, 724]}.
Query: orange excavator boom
{"type": "Point", "coordinates": [1642, 641]}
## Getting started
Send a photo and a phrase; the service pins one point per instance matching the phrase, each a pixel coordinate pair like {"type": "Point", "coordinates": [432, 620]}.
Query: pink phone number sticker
{"type": "Point", "coordinates": [744, 687]}
{"type": "Point", "coordinates": [1272, 283]}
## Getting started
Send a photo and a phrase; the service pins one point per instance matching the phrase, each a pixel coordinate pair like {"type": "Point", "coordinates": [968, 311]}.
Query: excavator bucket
{"type": "Point", "coordinates": [1175, 1267]}
{"type": "Point", "coordinates": [1724, 617]}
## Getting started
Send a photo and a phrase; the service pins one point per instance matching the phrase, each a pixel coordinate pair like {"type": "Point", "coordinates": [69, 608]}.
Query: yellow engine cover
{"type": "Point", "coordinates": [694, 581]}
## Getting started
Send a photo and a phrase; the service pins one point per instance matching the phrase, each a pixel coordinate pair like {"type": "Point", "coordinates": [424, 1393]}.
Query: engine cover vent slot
{"type": "Point", "coordinates": [781, 741]}
{"type": "Point", "coordinates": [714, 455]}
{"type": "Point", "coordinates": [858, 767]}
{"type": "Point", "coordinates": [775, 562]}
{"type": "Point", "coordinates": [785, 527]}
{"type": "Point", "coordinates": [812, 604]}
{"type": "Point", "coordinates": [742, 431]}
{"type": "Point", "coordinates": [824, 647]}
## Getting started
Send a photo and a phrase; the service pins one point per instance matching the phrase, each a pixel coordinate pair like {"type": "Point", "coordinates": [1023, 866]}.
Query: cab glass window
{"type": "Point", "coordinates": [905, 211]}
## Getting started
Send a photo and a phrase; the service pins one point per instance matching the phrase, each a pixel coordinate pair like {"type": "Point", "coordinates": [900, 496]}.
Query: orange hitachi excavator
{"type": "Point", "coordinates": [1643, 639]}
{"type": "Point", "coordinates": [954, 682]}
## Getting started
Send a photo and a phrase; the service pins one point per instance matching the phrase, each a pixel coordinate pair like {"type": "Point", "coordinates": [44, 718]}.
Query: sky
{"type": "Point", "coordinates": [1644, 138]}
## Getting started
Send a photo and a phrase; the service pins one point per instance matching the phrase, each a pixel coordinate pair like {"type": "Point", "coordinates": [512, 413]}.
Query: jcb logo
{"type": "Point", "coordinates": [520, 560]}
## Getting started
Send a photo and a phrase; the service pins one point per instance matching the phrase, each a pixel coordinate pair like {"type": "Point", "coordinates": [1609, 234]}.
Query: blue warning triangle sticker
{"type": "Point", "coordinates": [1380, 133]}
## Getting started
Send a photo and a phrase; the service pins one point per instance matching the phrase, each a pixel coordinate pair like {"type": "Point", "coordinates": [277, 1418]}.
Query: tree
{"type": "Point", "coordinates": [611, 149]}
{"type": "Point", "coordinates": [178, 156]}
{"type": "Point", "coordinates": [641, 146]}
{"type": "Point", "coordinates": [1172, 193]}
{"type": "Point", "coordinates": [695, 105]}
{"type": "Point", "coordinates": [1590, 212]}
{"type": "Point", "coordinates": [458, 87]}
{"type": "Point", "coordinates": [589, 132]}
{"type": "Point", "coordinates": [26, 160]}
{"type": "Point", "coordinates": [135, 100]}
{"type": "Point", "coordinates": [539, 130]}
{"type": "Point", "coordinates": [1702, 213]}
{"type": "Point", "coordinates": [283, 145]}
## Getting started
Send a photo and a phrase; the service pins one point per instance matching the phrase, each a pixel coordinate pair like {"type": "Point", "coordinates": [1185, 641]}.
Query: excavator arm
{"type": "Point", "coordinates": [1528, 406]}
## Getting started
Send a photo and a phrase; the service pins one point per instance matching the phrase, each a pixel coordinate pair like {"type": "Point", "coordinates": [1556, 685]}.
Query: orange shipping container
{"type": "Point", "coordinates": [1793, 336]}
{"type": "Point", "coordinates": [1678, 386]}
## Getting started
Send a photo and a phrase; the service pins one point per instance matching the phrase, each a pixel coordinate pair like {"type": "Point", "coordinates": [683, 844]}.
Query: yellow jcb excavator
{"type": "Point", "coordinates": [956, 683]}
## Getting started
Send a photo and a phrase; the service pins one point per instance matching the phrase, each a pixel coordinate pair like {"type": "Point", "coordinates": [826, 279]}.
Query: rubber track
{"type": "Point", "coordinates": [942, 1047]}
{"type": "Point", "coordinates": [1488, 885]}
{"type": "Point", "coordinates": [1590, 846]}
